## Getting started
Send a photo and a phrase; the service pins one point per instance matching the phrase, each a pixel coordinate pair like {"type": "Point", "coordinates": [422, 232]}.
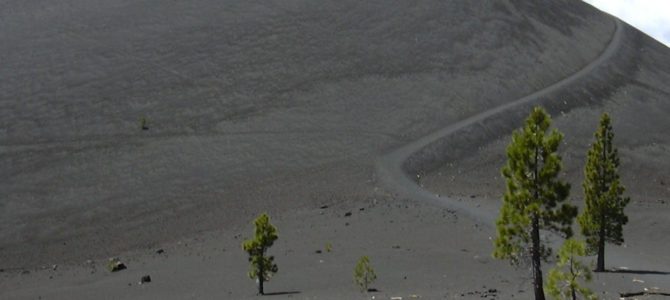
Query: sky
{"type": "Point", "coordinates": [650, 16]}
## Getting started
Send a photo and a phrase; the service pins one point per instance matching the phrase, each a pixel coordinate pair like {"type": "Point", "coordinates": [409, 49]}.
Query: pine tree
{"type": "Point", "coordinates": [603, 217]}
{"type": "Point", "coordinates": [262, 267]}
{"type": "Point", "coordinates": [566, 284]}
{"type": "Point", "coordinates": [533, 194]}
{"type": "Point", "coordinates": [364, 275]}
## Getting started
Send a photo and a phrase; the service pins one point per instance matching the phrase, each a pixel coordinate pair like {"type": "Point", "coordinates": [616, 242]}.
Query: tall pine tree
{"type": "Point", "coordinates": [603, 217]}
{"type": "Point", "coordinates": [534, 196]}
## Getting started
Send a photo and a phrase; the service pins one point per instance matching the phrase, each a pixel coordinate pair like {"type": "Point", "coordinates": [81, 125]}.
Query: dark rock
{"type": "Point", "coordinates": [395, 246]}
{"type": "Point", "coordinates": [323, 206]}
{"type": "Point", "coordinates": [145, 279]}
{"type": "Point", "coordinates": [347, 214]}
{"type": "Point", "coordinates": [160, 251]}
{"type": "Point", "coordinates": [361, 209]}
{"type": "Point", "coordinates": [318, 251]}
{"type": "Point", "coordinates": [372, 290]}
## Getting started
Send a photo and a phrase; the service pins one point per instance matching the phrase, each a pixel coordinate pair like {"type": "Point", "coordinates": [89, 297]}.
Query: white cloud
{"type": "Point", "coordinates": [650, 16]}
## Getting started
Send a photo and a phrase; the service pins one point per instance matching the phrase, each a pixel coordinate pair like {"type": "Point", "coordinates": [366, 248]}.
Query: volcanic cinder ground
{"type": "Point", "coordinates": [395, 111]}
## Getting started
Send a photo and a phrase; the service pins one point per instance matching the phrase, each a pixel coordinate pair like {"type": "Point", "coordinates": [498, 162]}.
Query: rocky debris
{"type": "Point", "coordinates": [54, 267]}
{"type": "Point", "coordinates": [318, 251]}
{"type": "Point", "coordinates": [145, 279]}
{"type": "Point", "coordinates": [323, 206]}
{"type": "Point", "coordinates": [487, 293]}
{"type": "Point", "coordinates": [347, 214]}
{"type": "Point", "coordinates": [114, 264]}
{"type": "Point", "coordinates": [160, 251]}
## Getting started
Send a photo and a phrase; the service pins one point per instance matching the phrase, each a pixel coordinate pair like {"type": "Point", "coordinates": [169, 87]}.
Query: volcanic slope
{"type": "Point", "coordinates": [250, 105]}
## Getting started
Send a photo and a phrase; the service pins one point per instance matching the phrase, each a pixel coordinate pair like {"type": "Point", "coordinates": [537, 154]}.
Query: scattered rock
{"type": "Point", "coordinates": [318, 251]}
{"type": "Point", "coordinates": [472, 196]}
{"type": "Point", "coordinates": [395, 246]}
{"type": "Point", "coordinates": [372, 290]}
{"type": "Point", "coordinates": [323, 206]}
{"type": "Point", "coordinates": [361, 209]}
{"type": "Point", "coordinates": [347, 214]}
{"type": "Point", "coordinates": [160, 251]}
{"type": "Point", "coordinates": [114, 264]}
{"type": "Point", "coordinates": [145, 279]}
{"type": "Point", "coordinates": [54, 267]}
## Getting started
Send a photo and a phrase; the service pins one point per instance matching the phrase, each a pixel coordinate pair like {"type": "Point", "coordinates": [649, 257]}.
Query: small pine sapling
{"type": "Point", "coordinates": [262, 266]}
{"type": "Point", "coordinates": [364, 275]}
{"type": "Point", "coordinates": [564, 279]}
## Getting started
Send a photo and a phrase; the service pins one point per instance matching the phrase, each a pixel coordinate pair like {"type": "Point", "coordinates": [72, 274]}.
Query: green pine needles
{"type": "Point", "coordinates": [534, 196]}
{"type": "Point", "coordinates": [262, 267]}
{"type": "Point", "coordinates": [564, 279]}
{"type": "Point", "coordinates": [603, 216]}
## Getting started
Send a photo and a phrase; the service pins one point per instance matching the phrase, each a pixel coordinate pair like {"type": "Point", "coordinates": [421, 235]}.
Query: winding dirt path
{"type": "Point", "coordinates": [397, 171]}
{"type": "Point", "coordinates": [395, 176]}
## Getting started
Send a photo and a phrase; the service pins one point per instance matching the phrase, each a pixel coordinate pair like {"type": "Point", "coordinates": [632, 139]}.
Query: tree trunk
{"type": "Point", "coordinates": [536, 260]}
{"type": "Point", "coordinates": [574, 295]}
{"type": "Point", "coordinates": [600, 266]}
{"type": "Point", "coordinates": [260, 277]}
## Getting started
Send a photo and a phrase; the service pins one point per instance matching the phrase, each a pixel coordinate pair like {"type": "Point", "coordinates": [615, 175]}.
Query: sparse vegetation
{"type": "Point", "coordinates": [603, 216]}
{"type": "Point", "coordinates": [364, 275]}
{"type": "Point", "coordinates": [114, 264]}
{"type": "Point", "coordinates": [533, 194]}
{"type": "Point", "coordinates": [564, 279]}
{"type": "Point", "coordinates": [144, 123]}
{"type": "Point", "coordinates": [262, 266]}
